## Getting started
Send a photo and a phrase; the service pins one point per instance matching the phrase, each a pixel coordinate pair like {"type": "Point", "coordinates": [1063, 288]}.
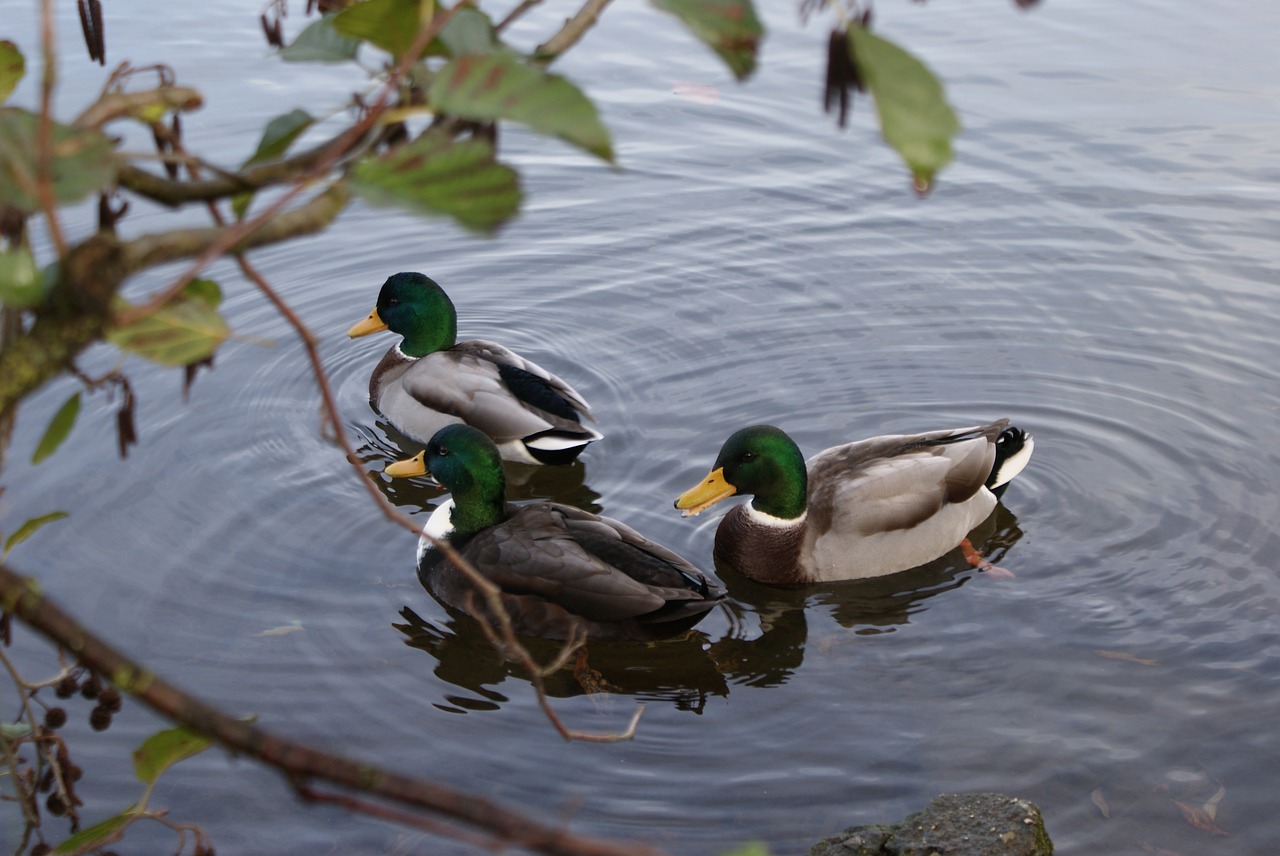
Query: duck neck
{"type": "Point", "coordinates": [479, 505]}
{"type": "Point", "coordinates": [433, 332]}
{"type": "Point", "coordinates": [787, 497]}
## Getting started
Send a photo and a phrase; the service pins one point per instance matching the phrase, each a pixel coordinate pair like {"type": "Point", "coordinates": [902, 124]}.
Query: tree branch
{"type": "Point", "coordinates": [571, 33]}
{"type": "Point", "coordinates": [150, 250]}
{"type": "Point", "coordinates": [298, 761]}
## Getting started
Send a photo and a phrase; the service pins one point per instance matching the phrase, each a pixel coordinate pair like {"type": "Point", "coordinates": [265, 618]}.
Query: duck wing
{"type": "Point", "coordinates": [493, 389]}
{"type": "Point", "coordinates": [897, 482]}
{"type": "Point", "coordinates": [591, 566]}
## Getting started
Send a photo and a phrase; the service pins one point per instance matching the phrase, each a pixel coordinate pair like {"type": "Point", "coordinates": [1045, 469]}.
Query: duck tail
{"type": "Point", "coordinates": [1013, 451]}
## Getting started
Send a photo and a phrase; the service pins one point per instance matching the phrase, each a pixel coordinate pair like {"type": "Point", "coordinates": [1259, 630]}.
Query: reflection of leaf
{"type": "Point", "coordinates": [320, 42]}
{"type": "Point", "coordinates": [283, 630]}
{"type": "Point", "coordinates": [437, 176]}
{"type": "Point", "coordinates": [82, 161]}
{"type": "Point", "coordinates": [729, 27]}
{"type": "Point", "coordinates": [1100, 801]}
{"type": "Point", "coordinates": [1199, 818]}
{"type": "Point", "coordinates": [97, 835]}
{"type": "Point", "coordinates": [27, 529]}
{"type": "Point", "coordinates": [59, 427]}
{"type": "Point", "coordinates": [915, 118]}
{"type": "Point", "coordinates": [1128, 658]}
{"type": "Point", "coordinates": [491, 86]}
{"type": "Point", "coordinates": [12, 67]}
{"type": "Point", "coordinates": [185, 331]}
{"type": "Point", "coordinates": [1211, 807]}
{"type": "Point", "coordinates": [161, 751]}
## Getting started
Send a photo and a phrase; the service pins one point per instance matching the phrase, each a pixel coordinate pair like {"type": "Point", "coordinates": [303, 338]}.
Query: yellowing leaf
{"type": "Point", "coordinates": [12, 68]}
{"type": "Point", "coordinates": [492, 86]}
{"type": "Point", "coordinates": [915, 118]}
{"type": "Point", "coordinates": [97, 835]}
{"type": "Point", "coordinates": [185, 331]}
{"type": "Point", "coordinates": [21, 283]}
{"type": "Point", "coordinates": [161, 751]}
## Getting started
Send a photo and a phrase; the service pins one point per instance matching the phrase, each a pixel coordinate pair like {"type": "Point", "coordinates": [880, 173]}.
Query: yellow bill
{"type": "Point", "coordinates": [372, 324]}
{"type": "Point", "coordinates": [409, 467]}
{"type": "Point", "coordinates": [705, 494]}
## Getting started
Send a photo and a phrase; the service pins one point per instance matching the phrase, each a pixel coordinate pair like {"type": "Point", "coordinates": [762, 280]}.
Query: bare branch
{"type": "Point", "coordinates": [298, 761]}
{"type": "Point", "coordinates": [571, 33]}
{"type": "Point", "coordinates": [44, 131]}
{"type": "Point", "coordinates": [121, 105]}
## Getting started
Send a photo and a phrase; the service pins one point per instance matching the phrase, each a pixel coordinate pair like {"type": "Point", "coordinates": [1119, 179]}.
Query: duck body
{"type": "Point", "coordinates": [859, 510]}
{"type": "Point", "coordinates": [430, 380]}
{"type": "Point", "coordinates": [557, 566]}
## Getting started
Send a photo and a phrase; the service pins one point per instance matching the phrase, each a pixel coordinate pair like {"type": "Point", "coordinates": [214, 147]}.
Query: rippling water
{"type": "Point", "coordinates": [1098, 265]}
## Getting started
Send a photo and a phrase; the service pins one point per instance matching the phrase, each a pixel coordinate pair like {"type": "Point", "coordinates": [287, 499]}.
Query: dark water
{"type": "Point", "coordinates": [1099, 265]}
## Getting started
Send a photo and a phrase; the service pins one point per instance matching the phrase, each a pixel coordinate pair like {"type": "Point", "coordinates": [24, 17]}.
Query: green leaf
{"type": "Point", "coordinates": [59, 427]}
{"type": "Point", "coordinates": [161, 751]}
{"type": "Point", "coordinates": [486, 87]}
{"type": "Point", "coordinates": [26, 530]}
{"type": "Point", "coordinates": [728, 27]}
{"type": "Point", "coordinates": [437, 176]}
{"type": "Point", "coordinates": [12, 67]}
{"type": "Point", "coordinates": [98, 834]}
{"type": "Point", "coordinates": [388, 24]}
{"type": "Point", "coordinates": [185, 331]}
{"type": "Point", "coordinates": [469, 31]}
{"type": "Point", "coordinates": [21, 283]}
{"type": "Point", "coordinates": [320, 42]}
{"type": "Point", "coordinates": [279, 135]}
{"type": "Point", "coordinates": [82, 162]}
{"type": "Point", "coordinates": [914, 115]}
{"type": "Point", "coordinates": [240, 203]}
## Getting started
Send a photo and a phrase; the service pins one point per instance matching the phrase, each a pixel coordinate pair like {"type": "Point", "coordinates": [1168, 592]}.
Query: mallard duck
{"type": "Point", "coordinates": [860, 510]}
{"type": "Point", "coordinates": [430, 380]}
{"type": "Point", "coordinates": [556, 565]}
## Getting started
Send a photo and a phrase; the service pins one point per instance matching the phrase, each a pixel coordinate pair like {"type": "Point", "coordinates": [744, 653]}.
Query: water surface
{"type": "Point", "coordinates": [1098, 265]}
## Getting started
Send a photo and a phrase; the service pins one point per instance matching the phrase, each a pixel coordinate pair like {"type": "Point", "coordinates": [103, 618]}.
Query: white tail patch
{"type": "Point", "coordinates": [1015, 463]}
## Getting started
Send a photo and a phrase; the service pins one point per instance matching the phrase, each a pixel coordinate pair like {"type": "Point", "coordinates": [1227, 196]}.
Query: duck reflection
{"type": "Point", "coordinates": [763, 643]}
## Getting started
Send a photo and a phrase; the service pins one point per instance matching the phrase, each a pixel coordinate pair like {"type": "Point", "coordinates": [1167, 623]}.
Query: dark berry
{"type": "Point", "coordinates": [55, 717]}
{"type": "Point", "coordinates": [110, 699]}
{"type": "Point", "coordinates": [91, 687]}
{"type": "Point", "coordinates": [55, 805]}
{"type": "Point", "coordinates": [72, 773]}
{"type": "Point", "coordinates": [100, 718]}
{"type": "Point", "coordinates": [67, 687]}
{"type": "Point", "coordinates": [41, 849]}
{"type": "Point", "coordinates": [46, 781]}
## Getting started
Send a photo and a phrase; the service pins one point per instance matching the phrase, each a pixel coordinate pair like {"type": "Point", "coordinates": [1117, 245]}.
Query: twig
{"type": "Point", "coordinates": [44, 131]}
{"type": "Point", "coordinates": [24, 599]}
{"type": "Point", "coordinates": [571, 33]}
{"type": "Point", "coordinates": [515, 13]}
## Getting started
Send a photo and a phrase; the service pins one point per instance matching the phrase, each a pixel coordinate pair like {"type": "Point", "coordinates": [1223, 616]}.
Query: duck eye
{"type": "Point", "coordinates": [395, 301]}
{"type": "Point", "coordinates": [747, 457]}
